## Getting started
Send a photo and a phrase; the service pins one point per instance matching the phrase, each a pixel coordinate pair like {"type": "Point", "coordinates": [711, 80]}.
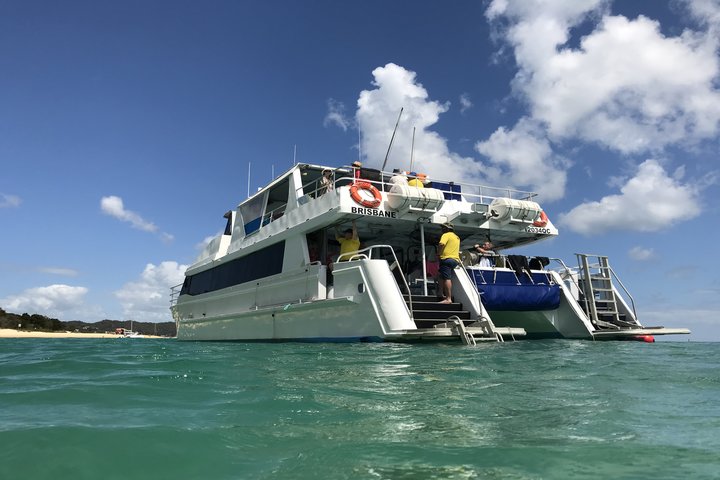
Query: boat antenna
{"type": "Point", "coordinates": [248, 196]}
{"type": "Point", "coordinates": [294, 154]}
{"type": "Point", "coordinates": [412, 151]}
{"type": "Point", "coordinates": [272, 171]}
{"type": "Point", "coordinates": [391, 140]}
{"type": "Point", "coordinates": [359, 144]}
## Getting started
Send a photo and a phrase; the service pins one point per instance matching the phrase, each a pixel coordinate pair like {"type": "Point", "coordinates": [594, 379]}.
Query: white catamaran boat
{"type": "Point", "coordinates": [274, 273]}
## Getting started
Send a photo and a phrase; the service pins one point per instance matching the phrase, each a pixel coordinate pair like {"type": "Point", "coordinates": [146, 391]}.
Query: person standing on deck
{"type": "Point", "coordinates": [449, 253]}
{"type": "Point", "coordinates": [326, 183]}
{"type": "Point", "coordinates": [349, 242]}
{"type": "Point", "coordinates": [356, 166]}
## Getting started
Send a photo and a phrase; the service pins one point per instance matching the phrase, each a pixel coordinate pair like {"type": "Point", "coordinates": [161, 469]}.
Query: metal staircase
{"type": "Point", "coordinates": [430, 315]}
{"type": "Point", "coordinates": [599, 299]}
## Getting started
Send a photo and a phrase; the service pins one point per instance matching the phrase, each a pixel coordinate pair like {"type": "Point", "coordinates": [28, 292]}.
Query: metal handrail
{"type": "Point", "coordinates": [632, 300]}
{"type": "Point", "coordinates": [615, 275]}
{"type": "Point", "coordinates": [569, 271]}
{"type": "Point", "coordinates": [484, 194]}
{"type": "Point", "coordinates": [175, 294]}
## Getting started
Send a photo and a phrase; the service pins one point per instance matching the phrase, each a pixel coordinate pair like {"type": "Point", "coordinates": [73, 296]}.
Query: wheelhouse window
{"type": "Point", "coordinates": [252, 212]}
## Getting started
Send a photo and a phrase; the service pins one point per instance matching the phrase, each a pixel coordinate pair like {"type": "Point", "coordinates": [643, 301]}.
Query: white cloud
{"type": "Point", "coordinates": [336, 115]}
{"type": "Point", "coordinates": [113, 206]}
{"type": "Point", "coordinates": [66, 272]}
{"type": "Point", "coordinates": [465, 102]}
{"type": "Point", "coordinates": [147, 299]}
{"type": "Point", "coordinates": [524, 157]}
{"type": "Point", "coordinates": [648, 202]}
{"type": "Point", "coordinates": [641, 254]}
{"type": "Point", "coordinates": [377, 113]}
{"type": "Point", "coordinates": [627, 86]}
{"type": "Point", "coordinates": [202, 245]}
{"type": "Point", "coordinates": [54, 300]}
{"type": "Point", "coordinates": [521, 157]}
{"type": "Point", "coordinates": [9, 201]}
{"type": "Point", "coordinates": [706, 11]}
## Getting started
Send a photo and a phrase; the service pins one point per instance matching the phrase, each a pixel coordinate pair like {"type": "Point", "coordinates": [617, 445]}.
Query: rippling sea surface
{"type": "Point", "coordinates": [155, 409]}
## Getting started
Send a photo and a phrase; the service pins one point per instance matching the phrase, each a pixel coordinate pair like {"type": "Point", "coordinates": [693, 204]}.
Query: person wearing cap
{"type": "Point", "coordinates": [418, 180]}
{"type": "Point", "coordinates": [356, 166]}
{"type": "Point", "coordinates": [415, 181]}
{"type": "Point", "coordinates": [449, 253]}
{"type": "Point", "coordinates": [325, 182]}
{"type": "Point", "coordinates": [349, 242]}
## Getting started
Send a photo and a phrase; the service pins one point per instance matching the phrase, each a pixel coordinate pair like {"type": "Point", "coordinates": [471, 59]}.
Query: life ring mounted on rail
{"type": "Point", "coordinates": [365, 202]}
{"type": "Point", "coordinates": [542, 221]}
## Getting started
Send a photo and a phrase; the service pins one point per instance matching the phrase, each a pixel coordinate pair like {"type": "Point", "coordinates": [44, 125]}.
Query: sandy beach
{"type": "Point", "coordinates": [10, 333]}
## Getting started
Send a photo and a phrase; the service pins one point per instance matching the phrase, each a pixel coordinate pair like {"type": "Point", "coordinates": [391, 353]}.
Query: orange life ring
{"type": "Point", "coordinates": [355, 194]}
{"type": "Point", "coordinates": [542, 221]}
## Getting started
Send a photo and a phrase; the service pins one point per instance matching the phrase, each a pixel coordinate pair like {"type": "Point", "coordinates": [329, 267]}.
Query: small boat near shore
{"type": "Point", "coordinates": [275, 275]}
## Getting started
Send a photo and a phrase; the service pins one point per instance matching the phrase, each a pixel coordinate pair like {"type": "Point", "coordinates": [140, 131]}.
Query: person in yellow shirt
{"type": "Point", "coordinates": [349, 242]}
{"type": "Point", "coordinates": [449, 253]}
{"type": "Point", "coordinates": [416, 181]}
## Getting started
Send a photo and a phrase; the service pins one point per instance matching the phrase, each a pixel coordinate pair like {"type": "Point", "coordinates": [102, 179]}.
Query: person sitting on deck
{"type": "Point", "coordinates": [487, 254]}
{"type": "Point", "coordinates": [449, 253]}
{"type": "Point", "coordinates": [349, 242]}
{"type": "Point", "coordinates": [398, 178]}
{"type": "Point", "coordinates": [416, 180]}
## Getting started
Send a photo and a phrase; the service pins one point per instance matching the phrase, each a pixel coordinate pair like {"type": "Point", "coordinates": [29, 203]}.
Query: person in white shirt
{"type": "Point", "coordinates": [487, 254]}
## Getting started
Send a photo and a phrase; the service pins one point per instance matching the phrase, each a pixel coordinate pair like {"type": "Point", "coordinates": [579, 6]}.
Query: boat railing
{"type": "Point", "coordinates": [614, 275]}
{"type": "Point", "coordinates": [315, 188]}
{"type": "Point", "coordinates": [175, 293]}
{"type": "Point", "coordinates": [272, 215]}
{"type": "Point", "coordinates": [374, 252]}
{"type": "Point", "coordinates": [469, 192]}
{"type": "Point", "coordinates": [570, 274]}
{"type": "Point", "coordinates": [502, 263]}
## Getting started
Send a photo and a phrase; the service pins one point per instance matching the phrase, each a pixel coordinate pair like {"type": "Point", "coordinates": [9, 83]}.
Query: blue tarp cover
{"type": "Point", "coordinates": [450, 190]}
{"type": "Point", "coordinates": [500, 291]}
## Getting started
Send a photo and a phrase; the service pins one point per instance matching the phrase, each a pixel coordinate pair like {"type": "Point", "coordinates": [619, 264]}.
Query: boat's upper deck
{"type": "Point", "coordinates": [385, 210]}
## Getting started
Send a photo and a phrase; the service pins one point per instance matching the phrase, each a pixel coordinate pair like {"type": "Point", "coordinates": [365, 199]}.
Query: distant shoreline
{"type": "Point", "coordinates": [10, 333]}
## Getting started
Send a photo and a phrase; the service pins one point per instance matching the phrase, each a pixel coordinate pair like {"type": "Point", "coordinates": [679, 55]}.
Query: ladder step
{"type": "Point", "coordinates": [434, 305]}
{"type": "Point", "coordinates": [604, 300]}
{"type": "Point", "coordinates": [434, 314]}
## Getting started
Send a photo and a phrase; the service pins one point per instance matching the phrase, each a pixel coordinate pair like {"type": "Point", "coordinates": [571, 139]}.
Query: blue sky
{"type": "Point", "coordinates": [126, 129]}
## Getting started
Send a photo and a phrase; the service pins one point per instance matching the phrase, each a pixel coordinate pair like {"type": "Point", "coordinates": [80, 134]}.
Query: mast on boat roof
{"type": "Point", "coordinates": [412, 150]}
{"type": "Point", "coordinates": [248, 189]}
{"type": "Point", "coordinates": [391, 139]}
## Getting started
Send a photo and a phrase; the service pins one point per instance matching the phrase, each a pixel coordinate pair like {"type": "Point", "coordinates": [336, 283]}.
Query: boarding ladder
{"type": "Point", "coordinates": [600, 300]}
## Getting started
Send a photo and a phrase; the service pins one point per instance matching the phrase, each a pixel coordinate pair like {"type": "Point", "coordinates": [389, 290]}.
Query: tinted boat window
{"type": "Point", "coordinates": [260, 264]}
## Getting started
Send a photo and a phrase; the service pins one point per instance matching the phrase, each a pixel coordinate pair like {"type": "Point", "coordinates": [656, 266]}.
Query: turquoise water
{"type": "Point", "coordinates": [155, 409]}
